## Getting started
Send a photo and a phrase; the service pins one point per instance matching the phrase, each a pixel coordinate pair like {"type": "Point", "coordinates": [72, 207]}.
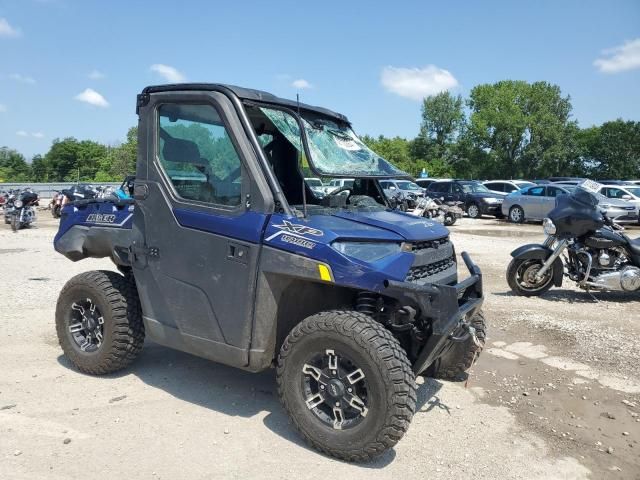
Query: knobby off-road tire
{"type": "Point", "coordinates": [391, 398]}
{"type": "Point", "coordinates": [116, 299]}
{"type": "Point", "coordinates": [461, 356]}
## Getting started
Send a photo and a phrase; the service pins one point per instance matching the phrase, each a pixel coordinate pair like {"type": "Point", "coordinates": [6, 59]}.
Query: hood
{"type": "Point", "coordinates": [407, 226]}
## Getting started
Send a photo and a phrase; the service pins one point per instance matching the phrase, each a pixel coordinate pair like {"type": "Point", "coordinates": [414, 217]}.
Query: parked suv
{"type": "Point", "coordinates": [507, 186]}
{"type": "Point", "coordinates": [478, 200]}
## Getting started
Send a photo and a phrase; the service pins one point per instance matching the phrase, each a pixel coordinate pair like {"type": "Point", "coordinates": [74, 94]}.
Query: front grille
{"type": "Point", "coordinates": [429, 273]}
{"type": "Point", "coordinates": [417, 246]}
{"type": "Point", "coordinates": [434, 262]}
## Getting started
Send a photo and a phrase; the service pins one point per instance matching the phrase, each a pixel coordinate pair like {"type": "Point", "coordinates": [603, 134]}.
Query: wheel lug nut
{"type": "Point", "coordinates": [349, 389]}
{"type": "Point", "coordinates": [337, 404]}
{"type": "Point", "coordinates": [321, 387]}
{"type": "Point", "coordinates": [334, 372]}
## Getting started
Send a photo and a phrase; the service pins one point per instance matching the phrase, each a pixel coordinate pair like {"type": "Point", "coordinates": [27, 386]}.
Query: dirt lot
{"type": "Point", "coordinates": [555, 395]}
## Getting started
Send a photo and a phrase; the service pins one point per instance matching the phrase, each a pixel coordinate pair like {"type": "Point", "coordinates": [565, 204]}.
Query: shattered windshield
{"type": "Point", "coordinates": [335, 149]}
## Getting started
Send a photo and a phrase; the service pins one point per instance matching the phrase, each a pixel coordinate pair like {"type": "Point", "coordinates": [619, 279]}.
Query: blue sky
{"type": "Point", "coordinates": [73, 67]}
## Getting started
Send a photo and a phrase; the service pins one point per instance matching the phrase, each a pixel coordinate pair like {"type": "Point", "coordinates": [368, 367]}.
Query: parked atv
{"type": "Point", "coordinates": [226, 253]}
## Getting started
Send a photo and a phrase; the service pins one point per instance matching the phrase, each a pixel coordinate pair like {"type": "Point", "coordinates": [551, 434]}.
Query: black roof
{"type": "Point", "coordinates": [246, 94]}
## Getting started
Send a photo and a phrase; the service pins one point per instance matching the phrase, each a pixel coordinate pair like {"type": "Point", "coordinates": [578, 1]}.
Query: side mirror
{"type": "Point", "coordinates": [627, 197]}
{"type": "Point", "coordinates": [392, 187]}
{"type": "Point", "coordinates": [442, 198]}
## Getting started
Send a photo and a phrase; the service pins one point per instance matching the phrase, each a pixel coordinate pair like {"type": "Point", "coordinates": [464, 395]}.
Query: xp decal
{"type": "Point", "coordinates": [286, 227]}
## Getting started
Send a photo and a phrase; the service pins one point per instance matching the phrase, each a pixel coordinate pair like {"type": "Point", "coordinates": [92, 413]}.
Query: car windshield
{"type": "Point", "coordinates": [405, 185]}
{"type": "Point", "coordinates": [633, 191]}
{"type": "Point", "coordinates": [474, 187]}
{"type": "Point", "coordinates": [334, 148]}
{"type": "Point", "coordinates": [522, 185]}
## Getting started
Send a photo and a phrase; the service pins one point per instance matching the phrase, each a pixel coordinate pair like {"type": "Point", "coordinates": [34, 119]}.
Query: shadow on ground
{"type": "Point", "coordinates": [572, 296]}
{"type": "Point", "coordinates": [235, 392]}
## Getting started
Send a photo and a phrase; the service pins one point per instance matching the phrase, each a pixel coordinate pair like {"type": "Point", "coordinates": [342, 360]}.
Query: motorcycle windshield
{"type": "Point", "coordinates": [577, 214]}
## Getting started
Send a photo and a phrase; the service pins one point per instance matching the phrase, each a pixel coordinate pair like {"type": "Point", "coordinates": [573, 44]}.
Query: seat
{"type": "Point", "coordinates": [634, 245]}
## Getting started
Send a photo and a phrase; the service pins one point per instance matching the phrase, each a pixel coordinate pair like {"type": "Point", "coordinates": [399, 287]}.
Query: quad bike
{"type": "Point", "coordinates": [224, 252]}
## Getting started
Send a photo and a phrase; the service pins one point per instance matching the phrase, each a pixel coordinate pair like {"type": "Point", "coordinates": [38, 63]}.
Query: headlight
{"type": "Point", "coordinates": [548, 227]}
{"type": "Point", "coordinates": [491, 200]}
{"type": "Point", "coordinates": [367, 251]}
{"type": "Point", "coordinates": [18, 204]}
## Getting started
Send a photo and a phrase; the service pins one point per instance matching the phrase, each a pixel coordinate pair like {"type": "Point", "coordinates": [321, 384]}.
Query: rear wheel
{"type": "Point", "coordinates": [449, 219]}
{"type": "Point", "coordinates": [473, 211]}
{"type": "Point", "coordinates": [521, 277]}
{"type": "Point", "coordinates": [516, 214]}
{"type": "Point", "coordinates": [347, 385]}
{"type": "Point", "coordinates": [99, 322]}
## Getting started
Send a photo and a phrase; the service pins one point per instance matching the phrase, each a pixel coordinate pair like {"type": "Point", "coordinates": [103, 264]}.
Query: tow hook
{"type": "Point", "coordinates": [470, 331]}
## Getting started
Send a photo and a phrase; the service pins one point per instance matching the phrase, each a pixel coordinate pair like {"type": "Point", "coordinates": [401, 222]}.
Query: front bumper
{"type": "Point", "coordinates": [447, 306]}
{"type": "Point", "coordinates": [491, 208]}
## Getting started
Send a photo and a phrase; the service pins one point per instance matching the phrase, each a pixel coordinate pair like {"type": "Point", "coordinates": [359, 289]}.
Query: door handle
{"type": "Point", "coordinates": [237, 252]}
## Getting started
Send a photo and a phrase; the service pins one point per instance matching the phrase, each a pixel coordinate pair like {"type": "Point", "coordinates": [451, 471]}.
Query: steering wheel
{"type": "Point", "coordinates": [340, 190]}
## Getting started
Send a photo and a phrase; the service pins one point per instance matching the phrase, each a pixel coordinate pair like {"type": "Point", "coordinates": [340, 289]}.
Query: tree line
{"type": "Point", "coordinates": [508, 129]}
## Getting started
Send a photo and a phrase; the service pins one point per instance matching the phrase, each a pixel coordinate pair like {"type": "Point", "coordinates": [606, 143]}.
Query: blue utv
{"type": "Point", "coordinates": [226, 253]}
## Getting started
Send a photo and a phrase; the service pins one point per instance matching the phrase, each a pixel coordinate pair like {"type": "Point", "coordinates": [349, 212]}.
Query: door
{"type": "Point", "coordinates": [549, 201]}
{"type": "Point", "coordinates": [532, 202]}
{"type": "Point", "coordinates": [201, 208]}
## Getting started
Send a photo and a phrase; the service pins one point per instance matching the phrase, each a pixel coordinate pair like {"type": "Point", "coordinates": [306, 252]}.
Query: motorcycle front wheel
{"type": "Point", "coordinates": [449, 219]}
{"type": "Point", "coordinates": [521, 277]}
{"type": "Point", "coordinates": [15, 223]}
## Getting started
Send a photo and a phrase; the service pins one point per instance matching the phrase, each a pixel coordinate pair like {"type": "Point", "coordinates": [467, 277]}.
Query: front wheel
{"type": "Point", "coordinates": [15, 223]}
{"type": "Point", "coordinates": [521, 277]}
{"type": "Point", "coordinates": [347, 385]}
{"type": "Point", "coordinates": [516, 214]}
{"type": "Point", "coordinates": [99, 322]}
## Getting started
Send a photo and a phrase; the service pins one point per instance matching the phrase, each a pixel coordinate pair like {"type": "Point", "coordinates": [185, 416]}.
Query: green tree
{"type": "Point", "coordinates": [523, 127]}
{"type": "Point", "coordinates": [72, 160]}
{"type": "Point", "coordinates": [120, 161]}
{"type": "Point", "coordinates": [442, 118]}
{"type": "Point", "coordinates": [13, 166]}
{"type": "Point", "coordinates": [611, 150]}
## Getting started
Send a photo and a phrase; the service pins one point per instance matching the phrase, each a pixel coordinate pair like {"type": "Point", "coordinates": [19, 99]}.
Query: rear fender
{"type": "Point", "coordinates": [540, 252]}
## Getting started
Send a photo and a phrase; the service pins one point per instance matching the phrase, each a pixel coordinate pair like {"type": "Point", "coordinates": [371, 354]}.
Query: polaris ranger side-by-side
{"type": "Point", "coordinates": [225, 252]}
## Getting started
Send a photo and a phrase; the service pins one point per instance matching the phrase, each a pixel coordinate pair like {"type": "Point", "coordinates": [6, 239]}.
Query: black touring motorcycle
{"type": "Point", "coordinates": [19, 209]}
{"type": "Point", "coordinates": [598, 254]}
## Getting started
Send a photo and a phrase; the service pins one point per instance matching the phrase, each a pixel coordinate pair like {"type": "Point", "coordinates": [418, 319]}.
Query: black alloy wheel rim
{"type": "Point", "coordinates": [525, 276]}
{"type": "Point", "coordinates": [335, 390]}
{"type": "Point", "coordinates": [86, 325]}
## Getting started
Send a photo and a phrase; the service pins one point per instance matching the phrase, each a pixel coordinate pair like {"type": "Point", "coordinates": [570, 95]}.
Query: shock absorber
{"type": "Point", "coordinates": [367, 303]}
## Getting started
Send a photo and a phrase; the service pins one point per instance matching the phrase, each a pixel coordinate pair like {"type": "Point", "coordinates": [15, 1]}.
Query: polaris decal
{"type": "Point", "coordinates": [101, 218]}
{"type": "Point", "coordinates": [295, 230]}
{"type": "Point", "coordinates": [299, 241]}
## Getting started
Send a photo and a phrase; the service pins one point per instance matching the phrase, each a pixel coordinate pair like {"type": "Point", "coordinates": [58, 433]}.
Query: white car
{"type": "Point", "coordinates": [337, 183]}
{"type": "Point", "coordinates": [630, 193]}
{"type": "Point", "coordinates": [404, 187]}
{"type": "Point", "coordinates": [507, 186]}
{"type": "Point", "coordinates": [316, 185]}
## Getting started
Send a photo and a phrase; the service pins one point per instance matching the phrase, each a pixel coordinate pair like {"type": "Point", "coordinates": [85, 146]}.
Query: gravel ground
{"type": "Point", "coordinates": [521, 414]}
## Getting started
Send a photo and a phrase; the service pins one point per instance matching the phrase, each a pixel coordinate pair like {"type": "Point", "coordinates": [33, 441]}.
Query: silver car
{"type": "Point", "coordinates": [535, 203]}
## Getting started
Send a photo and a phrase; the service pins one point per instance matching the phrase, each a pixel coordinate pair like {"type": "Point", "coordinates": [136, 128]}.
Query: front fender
{"type": "Point", "coordinates": [540, 252]}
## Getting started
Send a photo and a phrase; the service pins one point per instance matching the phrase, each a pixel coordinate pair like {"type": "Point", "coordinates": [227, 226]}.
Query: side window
{"type": "Point", "coordinates": [197, 154]}
{"type": "Point", "coordinates": [508, 188]}
{"type": "Point", "coordinates": [535, 192]}
{"type": "Point", "coordinates": [554, 191]}
{"type": "Point", "coordinates": [614, 193]}
{"type": "Point", "coordinates": [495, 186]}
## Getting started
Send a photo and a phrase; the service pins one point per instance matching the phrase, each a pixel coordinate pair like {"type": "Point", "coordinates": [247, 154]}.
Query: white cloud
{"type": "Point", "coordinates": [301, 83]}
{"type": "Point", "coordinates": [3, 108]}
{"type": "Point", "coordinates": [621, 58]}
{"type": "Point", "coordinates": [96, 75]}
{"type": "Point", "coordinates": [92, 97]}
{"type": "Point", "coordinates": [417, 83]}
{"type": "Point", "coordinates": [6, 30]}
{"type": "Point", "coordinates": [23, 133]}
{"type": "Point", "coordinates": [169, 73]}
{"type": "Point", "coordinates": [22, 78]}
